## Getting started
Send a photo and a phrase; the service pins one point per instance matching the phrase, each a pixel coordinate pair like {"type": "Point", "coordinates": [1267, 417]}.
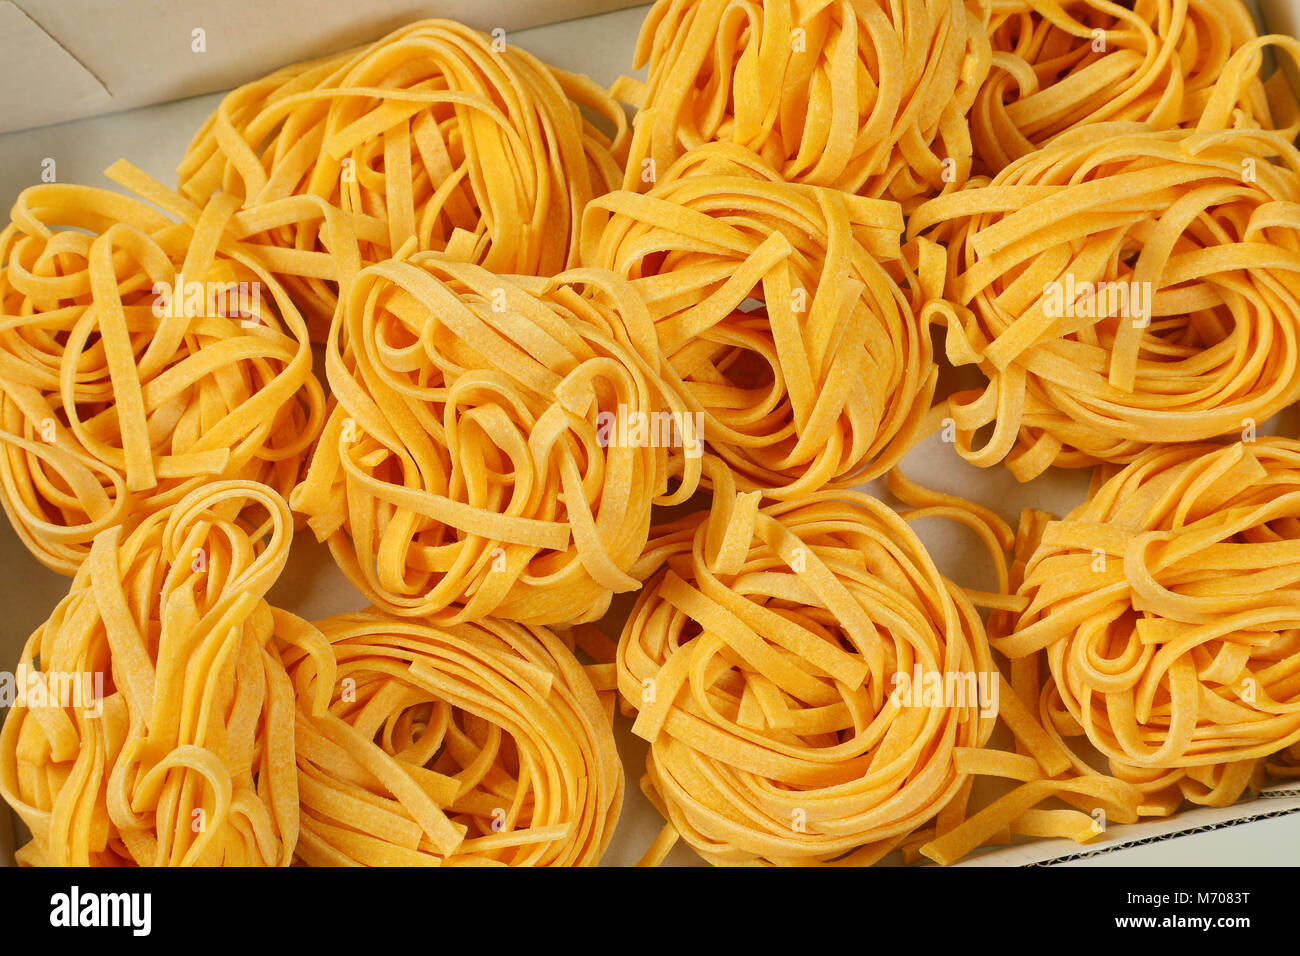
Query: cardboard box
{"type": "Point", "coordinates": [64, 59]}
{"type": "Point", "coordinates": [313, 587]}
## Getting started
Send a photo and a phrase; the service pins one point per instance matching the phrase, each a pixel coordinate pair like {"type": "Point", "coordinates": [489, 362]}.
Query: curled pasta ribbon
{"type": "Point", "coordinates": [1122, 288]}
{"type": "Point", "coordinates": [139, 358]}
{"type": "Point", "coordinates": [1063, 65]}
{"type": "Point", "coordinates": [497, 443]}
{"type": "Point", "coordinates": [435, 132]}
{"type": "Point", "coordinates": [868, 98]}
{"type": "Point", "coordinates": [471, 745]}
{"type": "Point", "coordinates": [1040, 763]}
{"type": "Point", "coordinates": [765, 664]}
{"type": "Point", "coordinates": [1167, 611]}
{"type": "Point", "coordinates": [158, 726]}
{"type": "Point", "coordinates": [1148, 628]}
{"type": "Point", "coordinates": [776, 317]}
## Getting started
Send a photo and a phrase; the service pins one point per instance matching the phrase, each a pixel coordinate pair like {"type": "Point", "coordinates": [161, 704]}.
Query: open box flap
{"type": "Point", "coordinates": [65, 59]}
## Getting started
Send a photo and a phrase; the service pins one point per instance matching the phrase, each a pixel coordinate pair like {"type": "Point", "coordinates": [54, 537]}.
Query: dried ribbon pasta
{"type": "Point", "coordinates": [1039, 763]}
{"type": "Point", "coordinates": [139, 358]}
{"type": "Point", "coordinates": [436, 132]}
{"type": "Point", "coordinates": [471, 745]}
{"type": "Point", "coordinates": [1121, 288]}
{"type": "Point", "coordinates": [1167, 611]}
{"type": "Point", "coordinates": [187, 756]}
{"type": "Point", "coordinates": [866, 97]}
{"type": "Point", "coordinates": [1062, 65]}
{"type": "Point", "coordinates": [762, 662]}
{"type": "Point", "coordinates": [777, 319]}
{"type": "Point", "coordinates": [497, 442]}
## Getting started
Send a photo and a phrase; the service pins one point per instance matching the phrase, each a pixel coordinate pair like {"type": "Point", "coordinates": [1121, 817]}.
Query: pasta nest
{"type": "Point", "coordinates": [184, 752]}
{"type": "Point", "coordinates": [764, 663]}
{"type": "Point", "coordinates": [779, 312]}
{"type": "Point", "coordinates": [139, 358]}
{"type": "Point", "coordinates": [497, 442]}
{"type": "Point", "coordinates": [1122, 288]}
{"type": "Point", "coordinates": [436, 133]}
{"type": "Point", "coordinates": [870, 97]}
{"type": "Point", "coordinates": [473, 744]}
{"type": "Point", "coordinates": [1167, 609]}
{"type": "Point", "coordinates": [1060, 66]}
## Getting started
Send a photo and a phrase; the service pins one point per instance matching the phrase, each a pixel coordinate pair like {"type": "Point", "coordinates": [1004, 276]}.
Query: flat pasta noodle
{"type": "Point", "coordinates": [139, 358]}
{"type": "Point", "coordinates": [1080, 801]}
{"type": "Point", "coordinates": [1065, 618]}
{"type": "Point", "coordinates": [781, 315]}
{"type": "Point", "coordinates": [1121, 288]}
{"type": "Point", "coordinates": [764, 664]}
{"type": "Point", "coordinates": [474, 744]}
{"type": "Point", "coordinates": [497, 442]}
{"type": "Point", "coordinates": [598, 651]}
{"type": "Point", "coordinates": [1284, 765]}
{"type": "Point", "coordinates": [157, 722]}
{"type": "Point", "coordinates": [870, 97]}
{"type": "Point", "coordinates": [1062, 65]}
{"type": "Point", "coordinates": [436, 132]}
{"type": "Point", "coordinates": [1166, 612]}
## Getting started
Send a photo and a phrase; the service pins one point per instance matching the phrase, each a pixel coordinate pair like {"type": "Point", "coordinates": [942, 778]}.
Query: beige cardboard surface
{"type": "Point", "coordinates": [1273, 802]}
{"type": "Point", "coordinates": [64, 59]}
{"type": "Point", "coordinates": [1283, 16]}
{"type": "Point", "coordinates": [155, 139]}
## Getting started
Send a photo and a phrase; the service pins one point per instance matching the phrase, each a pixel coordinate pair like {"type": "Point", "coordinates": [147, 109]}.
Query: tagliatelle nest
{"type": "Point", "coordinates": [187, 758]}
{"type": "Point", "coordinates": [1122, 288]}
{"type": "Point", "coordinates": [1167, 610]}
{"type": "Point", "coordinates": [437, 132]}
{"type": "Point", "coordinates": [778, 308]}
{"type": "Point", "coordinates": [475, 744]}
{"type": "Point", "coordinates": [484, 456]}
{"type": "Point", "coordinates": [139, 359]}
{"type": "Point", "coordinates": [867, 97]}
{"type": "Point", "coordinates": [763, 662]}
{"type": "Point", "coordinates": [1060, 66]}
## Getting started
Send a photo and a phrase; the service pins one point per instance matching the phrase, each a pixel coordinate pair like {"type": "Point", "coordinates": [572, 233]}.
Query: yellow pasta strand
{"type": "Point", "coordinates": [1165, 606]}
{"type": "Point", "coordinates": [1121, 288]}
{"type": "Point", "coordinates": [471, 745]}
{"type": "Point", "coordinates": [158, 723]}
{"type": "Point", "coordinates": [497, 442]}
{"type": "Point", "coordinates": [866, 97]}
{"type": "Point", "coordinates": [779, 312]}
{"type": "Point", "coordinates": [1064, 64]}
{"type": "Point", "coordinates": [435, 132]}
{"type": "Point", "coordinates": [764, 665]}
{"type": "Point", "coordinates": [139, 359]}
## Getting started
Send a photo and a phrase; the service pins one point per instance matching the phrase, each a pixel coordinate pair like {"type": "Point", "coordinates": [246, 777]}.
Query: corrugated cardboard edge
{"type": "Point", "coordinates": [1275, 800]}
